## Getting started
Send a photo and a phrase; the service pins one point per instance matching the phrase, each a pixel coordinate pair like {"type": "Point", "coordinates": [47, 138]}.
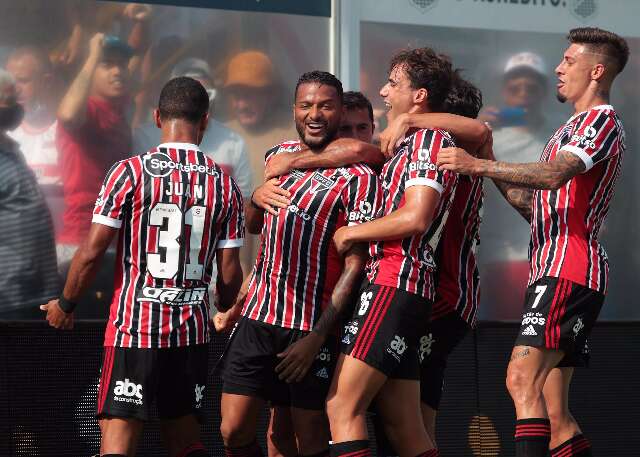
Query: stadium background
{"type": "Point", "coordinates": [47, 378]}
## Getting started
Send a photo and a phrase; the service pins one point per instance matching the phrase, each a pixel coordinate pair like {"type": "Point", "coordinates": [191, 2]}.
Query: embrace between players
{"type": "Point", "coordinates": [366, 278]}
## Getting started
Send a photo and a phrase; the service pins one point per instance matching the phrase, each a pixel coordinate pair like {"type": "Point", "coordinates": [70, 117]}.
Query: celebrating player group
{"type": "Point", "coordinates": [366, 277]}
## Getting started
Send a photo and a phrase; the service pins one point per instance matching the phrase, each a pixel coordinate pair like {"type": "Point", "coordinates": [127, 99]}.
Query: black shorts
{"type": "Point", "coordinates": [250, 360]}
{"type": "Point", "coordinates": [385, 328]}
{"type": "Point", "coordinates": [559, 314]}
{"type": "Point", "coordinates": [442, 336]}
{"type": "Point", "coordinates": [132, 379]}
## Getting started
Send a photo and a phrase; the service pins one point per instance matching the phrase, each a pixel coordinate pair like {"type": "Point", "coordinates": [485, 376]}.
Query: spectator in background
{"type": "Point", "coordinates": [254, 94]}
{"type": "Point", "coordinates": [28, 271]}
{"type": "Point", "coordinates": [31, 69]}
{"type": "Point", "coordinates": [93, 133]}
{"type": "Point", "coordinates": [222, 144]}
{"type": "Point", "coordinates": [520, 131]}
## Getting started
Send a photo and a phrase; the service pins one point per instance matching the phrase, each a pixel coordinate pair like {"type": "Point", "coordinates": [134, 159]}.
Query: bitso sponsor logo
{"type": "Point", "coordinates": [128, 392]}
{"type": "Point", "coordinates": [425, 346]}
{"type": "Point", "coordinates": [173, 296]}
{"type": "Point", "coordinates": [299, 212]}
{"type": "Point", "coordinates": [160, 165]}
{"type": "Point", "coordinates": [397, 347]}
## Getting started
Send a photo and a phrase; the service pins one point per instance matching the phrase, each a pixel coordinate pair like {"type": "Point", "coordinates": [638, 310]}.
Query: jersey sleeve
{"type": "Point", "coordinates": [596, 138]}
{"type": "Point", "coordinates": [232, 227]}
{"type": "Point", "coordinates": [362, 198]}
{"type": "Point", "coordinates": [270, 153]}
{"type": "Point", "coordinates": [424, 147]}
{"type": "Point", "coordinates": [115, 196]}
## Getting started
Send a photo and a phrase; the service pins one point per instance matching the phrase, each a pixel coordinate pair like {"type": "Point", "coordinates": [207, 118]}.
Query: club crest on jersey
{"type": "Point", "coordinates": [160, 165]}
{"type": "Point", "coordinates": [173, 296]}
{"type": "Point", "coordinates": [320, 183]}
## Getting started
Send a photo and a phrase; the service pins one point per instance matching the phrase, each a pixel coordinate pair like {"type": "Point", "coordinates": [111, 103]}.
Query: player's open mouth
{"type": "Point", "coordinates": [315, 128]}
{"type": "Point", "coordinates": [387, 105]}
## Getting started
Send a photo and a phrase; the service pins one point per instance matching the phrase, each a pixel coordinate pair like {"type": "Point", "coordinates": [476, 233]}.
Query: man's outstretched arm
{"type": "Point", "coordinates": [338, 153]}
{"type": "Point", "coordinates": [538, 175]}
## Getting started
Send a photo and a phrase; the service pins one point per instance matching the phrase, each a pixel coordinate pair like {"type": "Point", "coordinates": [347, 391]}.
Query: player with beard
{"type": "Point", "coordinates": [283, 348]}
{"type": "Point", "coordinates": [566, 197]}
{"type": "Point", "coordinates": [458, 278]}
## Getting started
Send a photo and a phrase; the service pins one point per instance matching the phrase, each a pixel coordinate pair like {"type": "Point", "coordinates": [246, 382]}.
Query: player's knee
{"type": "Point", "coordinates": [234, 434]}
{"type": "Point", "coordinates": [520, 384]}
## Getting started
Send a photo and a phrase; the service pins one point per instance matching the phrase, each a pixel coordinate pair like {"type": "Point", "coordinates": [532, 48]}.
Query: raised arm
{"type": "Point", "coordinates": [73, 107]}
{"type": "Point", "coordinates": [471, 132]}
{"type": "Point", "coordinates": [338, 153]}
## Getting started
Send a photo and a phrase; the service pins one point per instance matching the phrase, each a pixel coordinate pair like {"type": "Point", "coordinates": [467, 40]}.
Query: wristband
{"type": "Point", "coordinates": [66, 305]}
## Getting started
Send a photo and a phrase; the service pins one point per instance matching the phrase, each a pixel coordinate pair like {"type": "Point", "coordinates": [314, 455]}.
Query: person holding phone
{"type": "Point", "coordinates": [520, 130]}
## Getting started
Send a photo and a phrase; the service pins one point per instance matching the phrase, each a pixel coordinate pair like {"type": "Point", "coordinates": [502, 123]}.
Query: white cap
{"type": "Point", "coordinates": [527, 60]}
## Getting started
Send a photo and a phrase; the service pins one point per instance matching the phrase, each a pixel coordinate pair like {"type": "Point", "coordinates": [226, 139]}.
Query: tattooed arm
{"type": "Point", "coordinates": [515, 180]}
{"type": "Point", "coordinates": [298, 357]}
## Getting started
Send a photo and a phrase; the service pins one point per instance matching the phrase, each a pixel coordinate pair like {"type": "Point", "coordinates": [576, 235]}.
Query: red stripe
{"type": "Point", "coordinates": [553, 309]}
{"type": "Point", "coordinates": [562, 304]}
{"type": "Point", "coordinates": [572, 448]}
{"type": "Point", "coordinates": [378, 321]}
{"type": "Point", "coordinates": [383, 292]}
{"type": "Point", "coordinates": [106, 376]}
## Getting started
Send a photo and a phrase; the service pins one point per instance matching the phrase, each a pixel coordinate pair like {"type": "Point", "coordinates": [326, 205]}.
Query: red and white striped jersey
{"type": "Point", "coordinates": [458, 278]}
{"type": "Point", "coordinates": [174, 207]}
{"type": "Point", "coordinates": [298, 265]}
{"type": "Point", "coordinates": [409, 264]}
{"type": "Point", "coordinates": [565, 222]}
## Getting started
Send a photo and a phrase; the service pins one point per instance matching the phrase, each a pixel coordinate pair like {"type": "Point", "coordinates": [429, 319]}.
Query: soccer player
{"type": "Point", "coordinates": [458, 278]}
{"type": "Point", "coordinates": [566, 198]}
{"type": "Point", "coordinates": [380, 342]}
{"type": "Point", "coordinates": [283, 348]}
{"type": "Point", "coordinates": [175, 212]}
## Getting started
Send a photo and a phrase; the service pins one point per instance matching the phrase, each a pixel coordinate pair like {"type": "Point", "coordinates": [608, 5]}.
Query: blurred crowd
{"type": "Point", "coordinates": [88, 75]}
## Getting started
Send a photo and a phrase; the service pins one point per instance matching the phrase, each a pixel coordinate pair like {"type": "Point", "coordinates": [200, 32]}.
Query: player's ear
{"type": "Point", "coordinates": [156, 118]}
{"type": "Point", "coordinates": [420, 96]}
{"type": "Point", "coordinates": [597, 72]}
{"type": "Point", "coordinates": [204, 122]}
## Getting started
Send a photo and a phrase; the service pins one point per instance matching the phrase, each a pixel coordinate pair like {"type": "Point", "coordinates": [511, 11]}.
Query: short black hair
{"type": "Point", "coordinates": [353, 100]}
{"type": "Point", "coordinates": [183, 98]}
{"type": "Point", "coordinates": [603, 42]}
{"type": "Point", "coordinates": [322, 78]}
{"type": "Point", "coordinates": [463, 99]}
{"type": "Point", "coordinates": [426, 70]}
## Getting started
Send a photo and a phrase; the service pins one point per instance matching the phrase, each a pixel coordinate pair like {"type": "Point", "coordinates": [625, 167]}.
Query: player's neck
{"type": "Point", "coordinates": [180, 132]}
{"type": "Point", "coordinates": [594, 96]}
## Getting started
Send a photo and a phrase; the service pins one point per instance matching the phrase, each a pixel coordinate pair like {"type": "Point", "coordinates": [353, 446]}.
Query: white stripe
{"type": "Point", "coordinates": [226, 244]}
{"type": "Point", "coordinates": [108, 221]}
{"type": "Point", "coordinates": [588, 161]}
{"type": "Point", "coordinates": [424, 182]}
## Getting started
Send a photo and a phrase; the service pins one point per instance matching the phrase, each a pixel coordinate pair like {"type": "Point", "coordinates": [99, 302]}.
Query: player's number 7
{"type": "Point", "coordinates": [540, 290]}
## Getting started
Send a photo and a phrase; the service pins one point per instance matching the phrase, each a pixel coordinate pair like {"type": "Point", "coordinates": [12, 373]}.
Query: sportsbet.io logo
{"type": "Point", "coordinates": [160, 165]}
{"type": "Point", "coordinates": [583, 10]}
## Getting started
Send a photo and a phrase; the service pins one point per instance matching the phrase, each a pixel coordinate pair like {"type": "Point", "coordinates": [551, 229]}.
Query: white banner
{"type": "Point", "coordinates": [620, 16]}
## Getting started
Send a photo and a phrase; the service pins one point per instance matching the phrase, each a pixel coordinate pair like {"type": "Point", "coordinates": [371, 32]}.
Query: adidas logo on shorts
{"type": "Point", "coordinates": [323, 373]}
{"type": "Point", "coordinates": [530, 331]}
